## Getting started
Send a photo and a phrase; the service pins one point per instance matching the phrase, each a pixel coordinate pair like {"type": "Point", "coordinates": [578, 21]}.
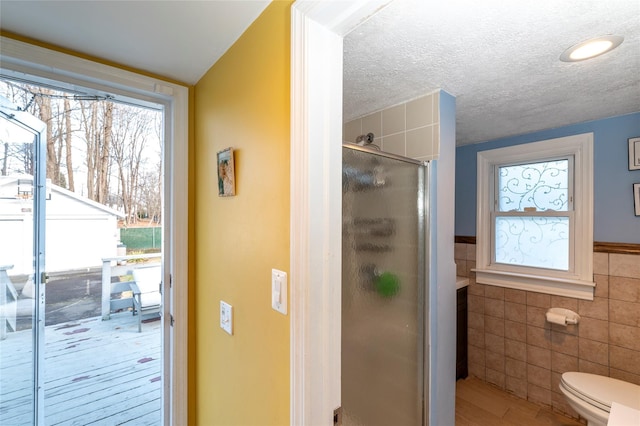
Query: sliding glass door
{"type": "Point", "coordinates": [22, 276]}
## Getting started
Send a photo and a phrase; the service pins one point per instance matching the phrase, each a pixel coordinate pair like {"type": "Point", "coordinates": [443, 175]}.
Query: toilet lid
{"type": "Point", "coordinates": [601, 391]}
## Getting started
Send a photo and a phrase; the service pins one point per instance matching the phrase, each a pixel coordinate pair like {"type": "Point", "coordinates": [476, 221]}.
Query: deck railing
{"type": "Point", "coordinates": [109, 289]}
{"type": "Point", "coordinates": [8, 301]}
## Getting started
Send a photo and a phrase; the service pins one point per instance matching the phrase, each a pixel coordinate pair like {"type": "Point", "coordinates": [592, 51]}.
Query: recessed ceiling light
{"type": "Point", "coordinates": [591, 48]}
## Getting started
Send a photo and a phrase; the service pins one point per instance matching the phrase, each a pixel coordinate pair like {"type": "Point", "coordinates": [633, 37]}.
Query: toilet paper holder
{"type": "Point", "coordinates": [562, 316]}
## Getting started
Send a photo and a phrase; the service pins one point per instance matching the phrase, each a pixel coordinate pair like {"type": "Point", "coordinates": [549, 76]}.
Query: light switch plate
{"type": "Point", "coordinates": [226, 317]}
{"type": "Point", "coordinates": [279, 291]}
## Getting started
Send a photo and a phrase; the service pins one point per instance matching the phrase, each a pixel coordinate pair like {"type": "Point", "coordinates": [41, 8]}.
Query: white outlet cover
{"type": "Point", "coordinates": [226, 317]}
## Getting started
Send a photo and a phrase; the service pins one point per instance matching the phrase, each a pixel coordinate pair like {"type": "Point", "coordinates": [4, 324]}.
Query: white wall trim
{"type": "Point", "coordinates": [315, 200]}
{"type": "Point", "coordinates": [18, 57]}
{"type": "Point", "coordinates": [317, 29]}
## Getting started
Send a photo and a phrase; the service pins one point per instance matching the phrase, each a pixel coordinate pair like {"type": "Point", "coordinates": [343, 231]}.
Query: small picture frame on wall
{"type": "Point", "coordinates": [636, 197]}
{"type": "Point", "coordinates": [226, 173]}
{"type": "Point", "coordinates": [634, 153]}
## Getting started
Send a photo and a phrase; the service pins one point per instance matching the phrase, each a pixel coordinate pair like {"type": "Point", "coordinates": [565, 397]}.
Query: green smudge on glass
{"type": "Point", "coordinates": [387, 284]}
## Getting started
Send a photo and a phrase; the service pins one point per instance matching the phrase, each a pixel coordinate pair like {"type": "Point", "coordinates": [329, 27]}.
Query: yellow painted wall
{"type": "Point", "coordinates": [243, 102]}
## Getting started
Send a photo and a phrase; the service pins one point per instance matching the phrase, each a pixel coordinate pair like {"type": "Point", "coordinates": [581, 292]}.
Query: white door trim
{"type": "Point", "coordinates": [19, 57]}
{"type": "Point", "coordinates": [317, 31]}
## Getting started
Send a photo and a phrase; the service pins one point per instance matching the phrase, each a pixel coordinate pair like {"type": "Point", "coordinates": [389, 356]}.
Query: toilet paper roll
{"type": "Point", "coordinates": [555, 318]}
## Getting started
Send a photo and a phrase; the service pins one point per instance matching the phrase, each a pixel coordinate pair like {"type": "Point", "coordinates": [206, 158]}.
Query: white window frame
{"type": "Point", "coordinates": [18, 57]}
{"type": "Point", "coordinates": [577, 281]}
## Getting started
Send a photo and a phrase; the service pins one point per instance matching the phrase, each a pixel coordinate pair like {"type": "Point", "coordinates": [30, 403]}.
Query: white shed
{"type": "Point", "coordinates": [79, 231]}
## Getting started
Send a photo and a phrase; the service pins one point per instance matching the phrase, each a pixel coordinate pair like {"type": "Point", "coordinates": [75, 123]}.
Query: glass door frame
{"type": "Point", "coordinates": [20, 59]}
{"type": "Point", "coordinates": [426, 179]}
{"type": "Point", "coordinates": [23, 119]}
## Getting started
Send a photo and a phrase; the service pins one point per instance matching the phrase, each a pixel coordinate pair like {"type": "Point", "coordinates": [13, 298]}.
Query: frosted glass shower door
{"type": "Point", "coordinates": [383, 289]}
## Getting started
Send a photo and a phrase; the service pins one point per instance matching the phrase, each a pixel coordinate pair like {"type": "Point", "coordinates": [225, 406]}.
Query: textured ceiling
{"type": "Point", "coordinates": [176, 39]}
{"type": "Point", "coordinates": [499, 59]}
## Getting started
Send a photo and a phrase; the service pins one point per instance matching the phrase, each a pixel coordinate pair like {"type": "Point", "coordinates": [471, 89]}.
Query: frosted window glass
{"type": "Point", "coordinates": [543, 186]}
{"type": "Point", "coordinates": [541, 242]}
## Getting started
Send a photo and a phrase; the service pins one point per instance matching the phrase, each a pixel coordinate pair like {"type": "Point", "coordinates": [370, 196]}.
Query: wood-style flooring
{"type": "Point", "coordinates": [480, 404]}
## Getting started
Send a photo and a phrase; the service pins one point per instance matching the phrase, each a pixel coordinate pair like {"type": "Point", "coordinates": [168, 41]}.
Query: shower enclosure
{"type": "Point", "coordinates": [384, 288]}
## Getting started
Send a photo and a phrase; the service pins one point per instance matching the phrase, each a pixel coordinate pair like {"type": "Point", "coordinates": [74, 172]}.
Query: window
{"type": "Point", "coordinates": [535, 217]}
{"type": "Point", "coordinates": [25, 59]}
{"type": "Point", "coordinates": [532, 216]}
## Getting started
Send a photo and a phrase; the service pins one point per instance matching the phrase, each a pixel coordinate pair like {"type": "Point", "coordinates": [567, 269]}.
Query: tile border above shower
{"type": "Point", "coordinates": [410, 129]}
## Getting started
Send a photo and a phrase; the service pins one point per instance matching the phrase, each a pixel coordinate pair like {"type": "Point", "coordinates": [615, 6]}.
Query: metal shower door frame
{"type": "Point", "coordinates": [424, 253]}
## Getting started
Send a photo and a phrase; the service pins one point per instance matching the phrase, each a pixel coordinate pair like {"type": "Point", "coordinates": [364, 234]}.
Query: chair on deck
{"type": "Point", "coordinates": [147, 298]}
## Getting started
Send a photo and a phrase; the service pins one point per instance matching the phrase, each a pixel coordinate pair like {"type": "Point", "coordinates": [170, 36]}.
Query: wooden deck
{"type": "Point", "coordinates": [96, 373]}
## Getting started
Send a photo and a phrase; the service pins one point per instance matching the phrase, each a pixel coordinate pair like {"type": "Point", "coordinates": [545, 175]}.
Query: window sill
{"type": "Point", "coordinates": [541, 284]}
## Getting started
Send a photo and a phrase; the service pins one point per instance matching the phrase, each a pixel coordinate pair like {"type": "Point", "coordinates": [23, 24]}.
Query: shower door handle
{"type": "Point", "coordinates": [337, 417]}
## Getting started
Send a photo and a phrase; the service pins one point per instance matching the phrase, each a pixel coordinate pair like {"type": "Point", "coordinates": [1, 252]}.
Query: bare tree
{"type": "Point", "coordinates": [59, 179]}
{"type": "Point", "coordinates": [116, 147]}
{"type": "Point", "coordinates": [150, 200]}
{"type": "Point", "coordinates": [103, 163]}
{"type": "Point", "coordinates": [17, 158]}
{"type": "Point", "coordinates": [130, 135]}
{"type": "Point", "coordinates": [158, 185]}
{"type": "Point", "coordinates": [43, 101]}
{"type": "Point", "coordinates": [89, 123]}
{"type": "Point", "coordinates": [97, 122]}
{"type": "Point", "coordinates": [21, 153]}
{"type": "Point", "coordinates": [68, 144]}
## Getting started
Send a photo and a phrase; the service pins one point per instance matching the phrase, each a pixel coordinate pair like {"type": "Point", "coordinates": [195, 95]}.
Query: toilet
{"type": "Point", "coordinates": [591, 395]}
